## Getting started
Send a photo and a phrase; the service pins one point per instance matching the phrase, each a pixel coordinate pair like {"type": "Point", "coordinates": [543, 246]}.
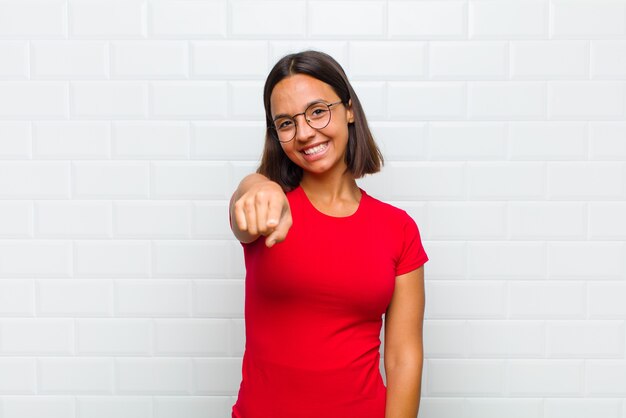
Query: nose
{"type": "Point", "coordinates": [304, 132]}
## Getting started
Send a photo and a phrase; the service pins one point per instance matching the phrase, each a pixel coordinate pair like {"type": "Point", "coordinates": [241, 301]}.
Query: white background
{"type": "Point", "coordinates": [126, 125]}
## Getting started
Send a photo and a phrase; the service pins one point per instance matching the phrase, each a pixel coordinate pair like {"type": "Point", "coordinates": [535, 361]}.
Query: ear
{"type": "Point", "coordinates": [349, 112]}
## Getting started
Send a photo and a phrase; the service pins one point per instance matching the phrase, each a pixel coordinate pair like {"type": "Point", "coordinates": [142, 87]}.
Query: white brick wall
{"type": "Point", "coordinates": [125, 126]}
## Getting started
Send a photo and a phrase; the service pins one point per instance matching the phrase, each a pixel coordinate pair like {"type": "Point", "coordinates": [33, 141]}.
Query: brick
{"type": "Point", "coordinates": [149, 59]}
{"type": "Point", "coordinates": [505, 339]}
{"type": "Point", "coordinates": [139, 406]}
{"type": "Point", "coordinates": [192, 337]}
{"type": "Point", "coordinates": [219, 298]}
{"type": "Point", "coordinates": [606, 220]}
{"type": "Point", "coordinates": [608, 59]}
{"type": "Point", "coordinates": [427, 19]}
{"type": "Point", "coordinates": [17, 297]}
{"type": "Point", "coordinates": [540, 60]}
{"type": "Point", "coordinates": [467, 220]}
{"type": "Point", "coordinates": [511, 180]}
{"type": "Point", "coordinates": [403, 181]}
{"type": "Point", "coordinates": [110, 99]}
{"type": "Point", "coordinates": [373, 98]}
{"type": "Point", "coordinates": [507, 260]}
{"type": "Point", "coordinates": [586, 99]}
{"type": "Point", "coordinates": [351, 19]}
{"type": "Point", "coordinates": [72, 140]}
{"type": "Point", "coordinates": [237, 59]}
{"type": "Point", "coordinates": [228, 140]}
{"type": "Point", "coordinates": [506, 100]}
{"type": "Point", "coordinates": [606, 140]}
{"type": "Point", "coordinates": [547, 140]}
{"type": "Point", "coordinates": [107, 18]}
{"type": "Point", "coordinates": [69, 59]}
{"type": "Point", "coordinates": [547, 221]}
{"type": "Point", "coordinates": [452, 60]}
{"type": "Point", "coordinates": [19, 376]}
{"type": "Point", "coordinates": [30, 336]}
{"type": "Point", "coordinates": [171, 376]}
{"type": "Point", "coordinates": [606, 377]}
{"type": "Point", "coordinates": [206, 259]}
{"type": "Point", "coordinates": [582, 408]}
{"type": "Point", "coordinates": [513, 19]}
{"type": "Point", "coordinates": [16, 219]}
{"type": "Point", "coordinates": [217, 376]}
{"type": "Point", "coordinates": [122, 336]}
{"type": "Point", "coordinates": [188, 100]}
{"type": "Point", "coordinates": [53, 258]}
{"type": "Point", "coordinates": [452, 256]}
{"type": "Point", "coordinates": [195, 180]}
{"type": "Point", "coordinates": [546, 300]}
{"type": "Point", "coordinates": [98, 180]}
{"type": "Point", "coordinates": [268, 18]}
{"type": "Point", "coordinates": [18, 20]}
{"type": "Point", "coordinates": [76, 375]}
{"type": "Point", "coordinates": [150, 140]}
{"type": "Point", "coordinates": [72, 219]}
{"type": "Point", "coordinates": [538, 377]}
{"type": "Point", "coordinates": [480, 377]}
{"type": "Point", "coordinates": [426, 100]}
{"type": "Point", "coordinates": [149, 298]}
{"type": "Point", "coordinates": [606, 300]}
{"type": "Point", "coordinates": [467, 140]}
{"type": "Point", "coordinates": [509, 407]}
{"type": "Point", "coordinates": [172, 407]}
{"type": "Point", "coordinates": [187, 19]}
{"type": "Point", "coordinates": [33, 99]}
{"type": "Point", "coordinates": [387, 60]}
{"type": "Point", "coordinates": [588, 180]}
{"type": "Point", "coordinates": [587, 260]}
{"type": "Point", "coordinates": [210, 220]}
{"type": "Point", "coordinates": [15, 59]}
{"type": "Point", "coordinates": [575, 339]}
{"type": "Point", "coordinates": [112, 258]}
{"type": "Point", "coordinates": [445, 339]}
{"type": "Point", "coordinates": [588, 19]}
{"type": "Point", "coordinates": [75, 297]}
{"type": "Point", "coordinates": [400, 141]}
{"type": "Point", "coordinates": [15, 140]}
{"type": "Point", "coordinates": [151, 219]}
{"type": "Point", "coordinates": [245, 100]}
{"type": "Point", "coordinates": [457, 300]}
{"type": "Point", "coordinates": [336, 49]}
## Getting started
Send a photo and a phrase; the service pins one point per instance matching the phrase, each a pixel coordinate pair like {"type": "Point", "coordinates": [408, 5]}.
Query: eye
{"type": "Point", "coordinates": [283, 124]}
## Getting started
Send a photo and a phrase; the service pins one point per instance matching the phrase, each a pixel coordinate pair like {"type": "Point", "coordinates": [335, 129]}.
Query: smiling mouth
{"type": "Point", "coordinates": [316, 149]}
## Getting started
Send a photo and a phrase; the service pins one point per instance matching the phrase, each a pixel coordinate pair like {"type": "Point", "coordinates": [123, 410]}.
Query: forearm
{"type": "Point", "coordinates": [404, 385]}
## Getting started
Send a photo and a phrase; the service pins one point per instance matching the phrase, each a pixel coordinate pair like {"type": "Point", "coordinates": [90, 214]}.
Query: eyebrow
{"type": "Point", "coordinates": [307, 105]}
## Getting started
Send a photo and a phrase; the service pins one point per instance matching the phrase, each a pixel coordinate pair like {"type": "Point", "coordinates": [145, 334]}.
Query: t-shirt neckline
{"type": "Point", "coordinates": [358, 209]}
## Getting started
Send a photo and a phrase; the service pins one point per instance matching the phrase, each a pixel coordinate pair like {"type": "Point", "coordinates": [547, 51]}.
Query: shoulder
{"type": "Point", "coordinates": [386, 210]}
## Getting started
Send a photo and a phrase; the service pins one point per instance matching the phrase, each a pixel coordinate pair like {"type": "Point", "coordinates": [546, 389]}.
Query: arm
{"type": "Point", "coordinates": [404, 351]}
{"type": "Point", "coordinates": [259, 207]}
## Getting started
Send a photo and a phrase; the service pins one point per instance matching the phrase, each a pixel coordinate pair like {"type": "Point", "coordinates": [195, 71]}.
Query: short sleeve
{"type": "Point", "coordinates": [413, 254]}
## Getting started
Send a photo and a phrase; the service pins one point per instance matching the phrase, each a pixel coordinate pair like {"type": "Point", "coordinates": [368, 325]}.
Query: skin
{"type": "Point", "coordinates": [260, 207]}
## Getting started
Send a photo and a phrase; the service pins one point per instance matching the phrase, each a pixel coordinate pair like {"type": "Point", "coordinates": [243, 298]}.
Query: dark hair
{"type": "Point", "coordinates": [362, 154]}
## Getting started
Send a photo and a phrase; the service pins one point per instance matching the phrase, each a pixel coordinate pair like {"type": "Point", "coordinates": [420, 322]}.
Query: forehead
{"type": "Point", "coordinates": [291, 94]}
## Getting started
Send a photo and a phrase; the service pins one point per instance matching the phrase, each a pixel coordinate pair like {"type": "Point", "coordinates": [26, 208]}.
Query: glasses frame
{"type": "Point", "coordinates": [295, 124]}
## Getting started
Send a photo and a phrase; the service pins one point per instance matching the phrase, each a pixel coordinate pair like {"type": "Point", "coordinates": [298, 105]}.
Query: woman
{"type": "Point", "coordinates": [333, 261]}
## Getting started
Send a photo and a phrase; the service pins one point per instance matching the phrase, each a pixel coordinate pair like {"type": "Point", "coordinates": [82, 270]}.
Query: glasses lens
{"type": "Point", "coordinates": [285, 128]}
{"type": "Point", "coordinates": [318, 115]}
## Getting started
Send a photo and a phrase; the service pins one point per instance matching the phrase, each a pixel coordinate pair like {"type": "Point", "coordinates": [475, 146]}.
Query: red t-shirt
{"type": "Point", "coordinates": [313, 311]}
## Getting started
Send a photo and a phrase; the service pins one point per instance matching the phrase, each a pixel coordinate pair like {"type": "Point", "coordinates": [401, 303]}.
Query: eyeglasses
{"type": "Point", "coordinates": [317, 115]}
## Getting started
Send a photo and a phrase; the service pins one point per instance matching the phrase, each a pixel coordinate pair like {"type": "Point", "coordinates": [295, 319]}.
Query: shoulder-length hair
{"type": "Point", "coordinates": [362, 154]}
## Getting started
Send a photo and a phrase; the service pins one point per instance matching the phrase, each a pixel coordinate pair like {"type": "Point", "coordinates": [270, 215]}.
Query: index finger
{"type": "Point", "coordinates": [274, 211]}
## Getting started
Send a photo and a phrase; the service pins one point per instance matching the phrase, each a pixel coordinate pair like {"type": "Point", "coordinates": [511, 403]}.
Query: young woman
{"type": "Point", "coordinates": [333, 260]}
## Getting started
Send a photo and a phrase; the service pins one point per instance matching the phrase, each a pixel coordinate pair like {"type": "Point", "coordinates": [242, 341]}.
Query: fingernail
{"type": "Point", "coordinates": [272, 222]}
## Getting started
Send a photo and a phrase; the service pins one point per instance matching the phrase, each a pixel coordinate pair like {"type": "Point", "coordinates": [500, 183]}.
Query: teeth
{"type": "Point", "coordinates": [316, 149]}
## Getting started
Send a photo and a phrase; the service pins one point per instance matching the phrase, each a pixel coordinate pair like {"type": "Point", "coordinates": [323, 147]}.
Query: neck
{"type": "Point", "coordinates": [330, 188]}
